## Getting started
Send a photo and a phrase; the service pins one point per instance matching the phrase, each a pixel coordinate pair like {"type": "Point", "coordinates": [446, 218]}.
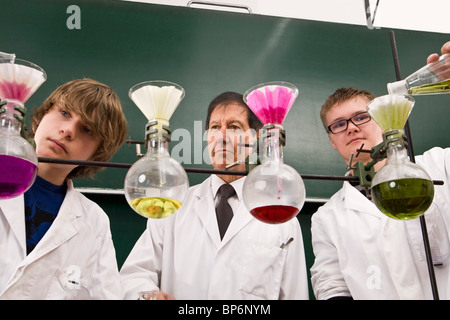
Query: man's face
{"type": "Point", "coordinates": [227, 128]}
{"type": "Point", "coordinates": [348, 141]}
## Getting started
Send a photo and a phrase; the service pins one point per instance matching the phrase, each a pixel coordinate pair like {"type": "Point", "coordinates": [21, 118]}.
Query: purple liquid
{"type": "Point", "coordinates": [16, 177]}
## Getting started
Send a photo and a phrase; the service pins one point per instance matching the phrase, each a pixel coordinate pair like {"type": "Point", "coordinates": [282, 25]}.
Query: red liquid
{"type": "Point", "coordinates": [16, 177]}
{"type": "Point", "coordinates": [274, 214]}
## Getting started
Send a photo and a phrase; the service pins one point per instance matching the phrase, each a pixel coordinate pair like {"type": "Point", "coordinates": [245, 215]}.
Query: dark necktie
{"type": "Point", "coordinates": [224, 212]}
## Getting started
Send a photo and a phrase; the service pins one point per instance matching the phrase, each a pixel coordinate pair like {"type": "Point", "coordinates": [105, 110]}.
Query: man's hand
{"type": "Point", "coordinates": [164, 296]}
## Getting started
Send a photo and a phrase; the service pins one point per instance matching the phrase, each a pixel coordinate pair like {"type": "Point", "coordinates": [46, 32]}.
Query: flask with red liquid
{"type": "Point", "coordinates": [273, 192]}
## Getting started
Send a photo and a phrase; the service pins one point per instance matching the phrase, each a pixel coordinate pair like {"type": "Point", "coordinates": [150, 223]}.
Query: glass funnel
{"type": "Point", "coordinates": [156, 185]}
{"type": "Point", "coordinates": [401, 189]}
{"type": "Point", "coordinates": [19, 79]}
{"type": "Point", "coordinates": [273, 192]}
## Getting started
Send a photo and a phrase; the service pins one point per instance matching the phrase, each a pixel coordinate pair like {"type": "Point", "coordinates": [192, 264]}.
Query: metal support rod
{"type": "Point", "coordinates": [190, 170]}
{"type": "Point", "coordinates": [197, 170]}
{"type": "Point", "coordinates": [423, 225]}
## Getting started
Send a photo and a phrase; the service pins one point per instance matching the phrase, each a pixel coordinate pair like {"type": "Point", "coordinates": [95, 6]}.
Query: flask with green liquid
{"type": "Point", "coordinates": [434, 78]}
{"type": "Point", "coordinates": [401, 189]}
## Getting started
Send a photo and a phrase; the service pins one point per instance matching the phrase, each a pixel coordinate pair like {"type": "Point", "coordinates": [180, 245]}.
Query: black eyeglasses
{"type": "Point", "coordinates": [342, 125]}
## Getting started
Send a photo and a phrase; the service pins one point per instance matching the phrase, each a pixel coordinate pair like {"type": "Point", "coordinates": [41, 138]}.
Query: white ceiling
{"type": "Point", "coordinates": [419, 15]}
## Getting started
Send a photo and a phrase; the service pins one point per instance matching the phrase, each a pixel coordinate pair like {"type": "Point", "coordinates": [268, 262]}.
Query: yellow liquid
{"type": "Point", "coordinates": [155, 207]}
{"type": "Point", "coordinates": [439, 87]}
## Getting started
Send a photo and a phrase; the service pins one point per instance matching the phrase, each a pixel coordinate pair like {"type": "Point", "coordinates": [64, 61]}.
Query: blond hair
{"type": "Point", "coordinates": [339, 96]}
{"type": "Point", "coordinates": [99, 108]}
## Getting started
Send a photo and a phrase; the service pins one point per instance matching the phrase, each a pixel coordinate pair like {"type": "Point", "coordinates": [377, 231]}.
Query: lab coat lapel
{"type": "Point", "coordinates": [207, 216]}
{"type": "Point", "coordinates": [355, 200]}
{"type": "Point", "coordinates": [63, 228]}
{"type": "Point", "coordinates": [240, 219]}
{"type": "Point", "coordinates": [205, 209]}
{"type": "Point", "coordinates": [14, 211]}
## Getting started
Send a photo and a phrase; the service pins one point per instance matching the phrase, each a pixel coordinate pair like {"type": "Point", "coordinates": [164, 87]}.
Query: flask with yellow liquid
{"type": "Point", "coordinates": [156, 185]}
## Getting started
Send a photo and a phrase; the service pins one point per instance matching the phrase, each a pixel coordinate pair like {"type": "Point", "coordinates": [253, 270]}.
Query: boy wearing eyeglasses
{"type": "Point", "coordinates": [360, 253]}
{"type": "Point", "coordinates": [349, 125]}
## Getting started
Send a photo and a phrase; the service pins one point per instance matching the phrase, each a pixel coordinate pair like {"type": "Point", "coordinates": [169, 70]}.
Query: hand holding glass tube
{"type": "Point", "coordinates": [443, 68]}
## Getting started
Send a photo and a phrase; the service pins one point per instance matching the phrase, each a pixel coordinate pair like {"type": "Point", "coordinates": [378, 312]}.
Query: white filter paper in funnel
{"type": "Point", "coordinates": [19, 81]}
{"type": "Point", "coordinates": [157, 102]}
{"type": "Point", "coordinates": [391, 111]}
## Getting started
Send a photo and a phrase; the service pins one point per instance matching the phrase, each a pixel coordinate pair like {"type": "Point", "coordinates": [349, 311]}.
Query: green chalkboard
{"type": "Point", "coordinates": [208, 52]}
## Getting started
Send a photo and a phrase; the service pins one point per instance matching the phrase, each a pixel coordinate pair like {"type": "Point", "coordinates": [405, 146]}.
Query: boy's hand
{"type": "Point", "coordinates": [435, 57]}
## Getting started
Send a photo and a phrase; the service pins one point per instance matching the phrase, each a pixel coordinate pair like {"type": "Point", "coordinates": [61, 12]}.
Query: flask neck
{"type": "Point", "coordinates": [157, 146]}
{"type": "Point", "coordinates": [396, 152]}
{"type": "Point", "coordinates": [271, 149]}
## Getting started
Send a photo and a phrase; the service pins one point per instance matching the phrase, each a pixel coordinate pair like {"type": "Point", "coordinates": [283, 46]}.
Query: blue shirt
{"type": "Point", "coordinates": [42, 203]}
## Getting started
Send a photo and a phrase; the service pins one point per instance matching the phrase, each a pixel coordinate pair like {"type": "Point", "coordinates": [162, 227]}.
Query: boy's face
{"type": "Point", "coordinates": [348, 141]}
{"type": "Point", "coordinates": [227, 124]}
{"type": "Point", "coordinates": [61, 134]}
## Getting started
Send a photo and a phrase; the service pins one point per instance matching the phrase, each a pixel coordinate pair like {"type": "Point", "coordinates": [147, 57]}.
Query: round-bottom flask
{"type": "Point", "coordinates": [402, 189]}
{"type": "Point", "coordinates": [156, 185]}
{"type": "Point", "coordinates": [273, 192]}
{"type": "Point", "coordinates": [17, 156]}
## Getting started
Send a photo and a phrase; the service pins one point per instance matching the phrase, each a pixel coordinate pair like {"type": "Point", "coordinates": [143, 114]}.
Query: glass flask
{"type": "Point", "coordinates": [433, 78]}
{"type": "Point", "coordinates": [401, 189]}
{"type": "Point", "coordinates": [273, 192]}
{"type": "Point", "coordinates": [19, 79]}
{"type": "Point", "coordinates": [156, 185]}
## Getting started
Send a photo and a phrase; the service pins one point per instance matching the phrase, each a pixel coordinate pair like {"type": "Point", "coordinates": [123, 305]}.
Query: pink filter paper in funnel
{"type": "Point", "coordinates": [271, 103]}
{"type": "Point", "coordinates": [18, 81]}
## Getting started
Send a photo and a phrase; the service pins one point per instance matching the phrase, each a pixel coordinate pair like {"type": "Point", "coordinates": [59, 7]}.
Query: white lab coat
{"type": "Point", "coordinates": [74, 260]}
{"type": "Point", "coordinates": [362, 253]}
{"type": "Point", "coordinates": [184, 256]}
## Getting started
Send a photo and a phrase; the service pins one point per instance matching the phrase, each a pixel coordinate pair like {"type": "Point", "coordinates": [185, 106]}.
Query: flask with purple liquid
{"type": "Point", "coordinates": [19, 79]}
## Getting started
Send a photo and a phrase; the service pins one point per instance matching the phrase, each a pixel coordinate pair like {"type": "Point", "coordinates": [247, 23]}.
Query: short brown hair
{"type": "Point", "coordinates": [339, 96]}
{"type": "Point", "coordinates": [99, 107]}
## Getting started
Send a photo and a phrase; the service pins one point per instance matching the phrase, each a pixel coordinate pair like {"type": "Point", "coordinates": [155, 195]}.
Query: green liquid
{"type": "Point", "coordinates": [439, 87]}
{"type": "Point", "coordinates": [403, 199]}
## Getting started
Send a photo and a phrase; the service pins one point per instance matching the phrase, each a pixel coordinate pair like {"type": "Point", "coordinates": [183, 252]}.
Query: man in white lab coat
{"type": "Point", "coordinates": [184, 256]}
{"type": "Point", "coordinates": [361, 253]}
{"type": "Point", "coordinates": [54, 242]}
